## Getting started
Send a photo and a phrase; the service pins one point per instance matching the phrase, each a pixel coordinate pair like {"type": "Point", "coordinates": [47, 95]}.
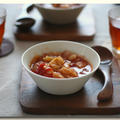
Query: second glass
{"type": "Point", "coordinates": [2, 23]}
{"type": "Point", "coordinates": [114, 28]}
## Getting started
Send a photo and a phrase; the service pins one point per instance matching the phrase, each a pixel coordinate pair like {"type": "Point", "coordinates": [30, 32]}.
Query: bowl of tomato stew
{"type": "Point", "coordinates": [60, 67]}
{"type": "Point", "coordinates": [60, 13]}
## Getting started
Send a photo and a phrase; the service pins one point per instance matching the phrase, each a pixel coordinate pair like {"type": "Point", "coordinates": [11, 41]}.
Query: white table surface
{"type": "Point", "coordinates": [10, 66]}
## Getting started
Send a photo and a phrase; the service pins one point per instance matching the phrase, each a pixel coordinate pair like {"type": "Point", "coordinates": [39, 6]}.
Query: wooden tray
{"type": "Point", "coordinates": [34, 101]}
{"type": "Point", "coordinates": [81, 30]}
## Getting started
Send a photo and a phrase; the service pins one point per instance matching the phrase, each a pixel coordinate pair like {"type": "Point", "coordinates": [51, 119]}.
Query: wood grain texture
{"type": "Point", "coordinates": [83, 29]}
{"type": "Point", "coordinates": [35, 101]}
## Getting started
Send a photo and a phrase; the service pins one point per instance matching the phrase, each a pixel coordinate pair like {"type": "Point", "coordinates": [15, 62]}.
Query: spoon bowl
{"type": "Point", "coordinates": [105, 55]}
{"type": "Point", "coordinates": [25, 23]}
{"type": "Point", "coordinates": [105, 66]}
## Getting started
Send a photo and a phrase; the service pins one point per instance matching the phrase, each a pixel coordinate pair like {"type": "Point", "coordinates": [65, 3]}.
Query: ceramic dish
{"type": "Point", "coordinates": [59, 15]}
{"type": "Point", "coordinates": [59, 86]}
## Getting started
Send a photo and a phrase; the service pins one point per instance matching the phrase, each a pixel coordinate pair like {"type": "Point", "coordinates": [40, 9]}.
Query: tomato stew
{"type": "Point", "coordinates": [64, 5]}
{"type": "Point", "coordinates": [60, 65]}
{"type": "Point", "coordinates": [57, 6]}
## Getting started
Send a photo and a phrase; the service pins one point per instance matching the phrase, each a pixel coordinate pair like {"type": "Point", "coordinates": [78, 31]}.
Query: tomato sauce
{"type": "Point", "coordinates": [60, 5]}
{"type": "Point", "coordinates": [60, 65]}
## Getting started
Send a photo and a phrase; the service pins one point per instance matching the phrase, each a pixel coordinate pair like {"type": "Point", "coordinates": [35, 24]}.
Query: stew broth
{"type": "Point", "coordinates": [60, 65]}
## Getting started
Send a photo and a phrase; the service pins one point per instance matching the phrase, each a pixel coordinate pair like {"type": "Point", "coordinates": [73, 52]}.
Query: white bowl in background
{"type": "Point", "coordinates": [59, 86]}
{"type": "Point", "coordinates": [59, 15]}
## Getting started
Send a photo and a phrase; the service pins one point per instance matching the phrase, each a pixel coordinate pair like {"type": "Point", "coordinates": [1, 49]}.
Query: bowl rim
{"type": "Point", "coordinates": [60, 9]}
{"type": "Point", "coordinates": [65, 41]}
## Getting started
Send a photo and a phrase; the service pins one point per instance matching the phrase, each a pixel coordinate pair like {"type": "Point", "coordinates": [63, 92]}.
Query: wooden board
{"type": "Point", "coordinates": [35, 101]}
{"type": "Point", "coordinates": [81, 30]}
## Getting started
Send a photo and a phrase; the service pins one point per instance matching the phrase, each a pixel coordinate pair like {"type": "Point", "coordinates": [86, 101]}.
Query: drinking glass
{"type": "Point", "coordinates": [2, 23]}
{"type": "Point", "coordinates": [114, 29]}
{"type": "Point", "coordinates": [6, 46]}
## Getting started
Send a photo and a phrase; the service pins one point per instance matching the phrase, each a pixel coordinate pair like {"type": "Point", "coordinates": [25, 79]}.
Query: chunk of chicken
{"type": "Point", "coordinates": [56, 63]}
{"type": "Point", "coordinates": [68, 72]}
{"type": "Point", "coordinates": [48, 58]}
{"type": "Point", "coordinates": [57, 75]}
{"type": "Point", "coordinates": [72, 57]}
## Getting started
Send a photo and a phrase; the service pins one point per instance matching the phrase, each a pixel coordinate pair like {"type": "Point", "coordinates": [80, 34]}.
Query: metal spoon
{"type": "Point", "coordinates": [25, 22]}
{"type": "Point", "coordinates": [105, 66]}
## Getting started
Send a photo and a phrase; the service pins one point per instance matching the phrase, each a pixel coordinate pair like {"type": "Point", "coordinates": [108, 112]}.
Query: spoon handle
{"type": "Point", "coordinates": [26, 10]}
{"type": "Point", "coordinates": [107, 90]}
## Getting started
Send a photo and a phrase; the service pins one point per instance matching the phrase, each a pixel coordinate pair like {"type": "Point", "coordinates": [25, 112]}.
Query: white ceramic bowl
{"type": "Point", "coordinates": [59, 15]}
{"type": "Point", "coordinates": [58, 86]}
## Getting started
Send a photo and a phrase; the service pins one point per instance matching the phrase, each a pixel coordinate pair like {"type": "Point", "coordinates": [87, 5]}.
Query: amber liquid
{"type": "Point", "coordinates": [115, 33]}
{"type": "Point", "coordinates": [2, 27]}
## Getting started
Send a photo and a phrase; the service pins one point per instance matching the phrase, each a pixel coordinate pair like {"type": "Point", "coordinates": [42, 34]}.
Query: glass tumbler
{"type": "Point", "coordinates": [2, 24]}
{"type": "Point", "coordinates": [114, 29]}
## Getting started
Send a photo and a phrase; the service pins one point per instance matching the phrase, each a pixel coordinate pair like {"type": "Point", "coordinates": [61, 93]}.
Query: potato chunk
{"type": "Point", "coordinates": [56, 63]}
{"type": "Point", "coordinates": [72, 57]}
{"type": "Point", "coordinates": [57, 75]}
{"type": "Point", "coordinates": [68, 72]}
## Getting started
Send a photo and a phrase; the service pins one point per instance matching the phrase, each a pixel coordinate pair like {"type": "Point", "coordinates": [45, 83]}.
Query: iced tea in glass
{"type": "Point", "coordinates": [2, 23]}
{"type": "Point", "coordinates": [114, 28]}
